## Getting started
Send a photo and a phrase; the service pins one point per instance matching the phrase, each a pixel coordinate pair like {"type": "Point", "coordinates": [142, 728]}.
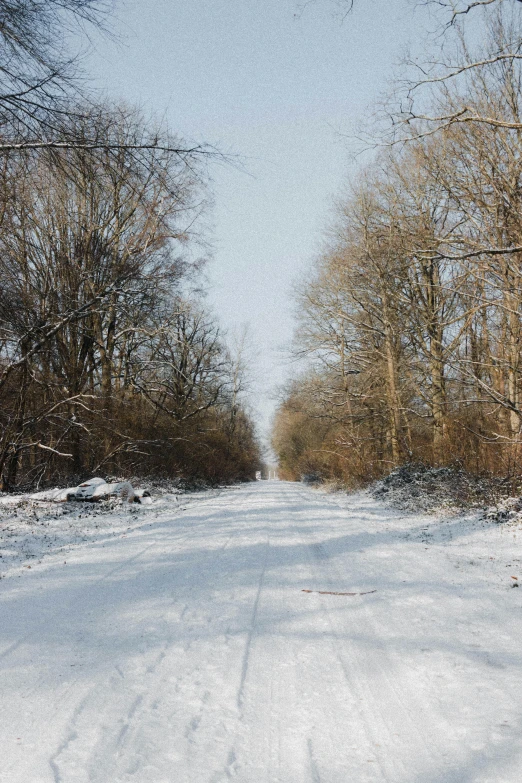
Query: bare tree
{"type": "Point", "coordinates": [36, 71]}
{"type": "Point", "coordinates": [91, 247]}
{"type": "Point", "coordinates": [436, 94]}
{"type": "Point", "coordinates": [42, 87]}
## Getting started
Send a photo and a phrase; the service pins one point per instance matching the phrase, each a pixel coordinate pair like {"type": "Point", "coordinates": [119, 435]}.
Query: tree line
{"type": "Point", "coordinates": [109, 359]}
{"type": "Point", "coordinates": [410, 321]}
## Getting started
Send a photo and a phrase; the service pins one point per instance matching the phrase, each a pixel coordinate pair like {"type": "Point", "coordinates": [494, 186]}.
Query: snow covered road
{"type": "Point", "coordinates": [189, 650]}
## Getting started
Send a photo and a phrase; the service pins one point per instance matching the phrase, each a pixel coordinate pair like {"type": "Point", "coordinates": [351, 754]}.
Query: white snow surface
{"type": "Point", "coordinates": [174, 643]}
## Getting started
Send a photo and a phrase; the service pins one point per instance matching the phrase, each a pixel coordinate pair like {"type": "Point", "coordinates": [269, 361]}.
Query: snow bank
{"type": "Point", "coordinates": [93, 490]}
{"type": "Point", "coordinates": [416, 487]}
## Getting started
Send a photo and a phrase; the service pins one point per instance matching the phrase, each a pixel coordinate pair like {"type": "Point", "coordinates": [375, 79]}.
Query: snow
{"type": "Point", "coordinates": [94, 490]}
{"type": "Point", "coordinates": [97, 489]}
{"type": "Point", "coordinates": [32, 526]}
{"type": "Point", "coordinates": [180, 641]}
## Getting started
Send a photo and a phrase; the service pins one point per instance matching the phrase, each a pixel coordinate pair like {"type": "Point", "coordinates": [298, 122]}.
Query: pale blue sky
{"type": "Point", "coordinates": [277, 87]}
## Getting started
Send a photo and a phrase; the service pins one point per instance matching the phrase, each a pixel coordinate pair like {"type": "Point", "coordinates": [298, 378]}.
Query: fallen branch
{"type": "Point", "coordinates": [331, 592]}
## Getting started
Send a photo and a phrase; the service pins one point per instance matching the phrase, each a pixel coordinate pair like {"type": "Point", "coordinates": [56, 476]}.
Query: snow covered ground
{"type": "Point", "coordinates": [32, 527]}
{"type": "Point", "coordinates": [204, 640]}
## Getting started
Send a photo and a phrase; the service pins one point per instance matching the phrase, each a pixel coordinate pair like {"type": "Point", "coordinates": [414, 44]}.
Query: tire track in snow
{"type": "Point", "coordinates": [64, 609]}
{"type": "Point", "coordinates": [316, 777]}
{"type": "Point", "coordinates": [252, 629]}
{"type": "Point", "coordinates": [368, 717]}
{"type": "Point", "coordinates": [88, 702]}
{"type": "Point", "coordinates": [358, 671]}
{"type": "Point", "coordinates": [109, 755]}
{"type": "Point", "coordinates": [283, 709]}
{"type": "Point", "coordinates": [105, 691]}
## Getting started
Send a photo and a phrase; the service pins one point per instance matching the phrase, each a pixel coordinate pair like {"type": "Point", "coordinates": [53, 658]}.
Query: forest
{"type": "Point", "coordinates": [110, 360]}
{"type": "Point", "coordinates": [410, 320]}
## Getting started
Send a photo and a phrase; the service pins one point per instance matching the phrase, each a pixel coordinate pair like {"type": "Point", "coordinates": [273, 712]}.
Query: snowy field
{"type": "Point", "coordinates": [265, 634]}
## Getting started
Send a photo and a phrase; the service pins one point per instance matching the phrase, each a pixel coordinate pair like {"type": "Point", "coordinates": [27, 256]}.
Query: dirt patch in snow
{"type": "Point", "coordinates": [416, 487]}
